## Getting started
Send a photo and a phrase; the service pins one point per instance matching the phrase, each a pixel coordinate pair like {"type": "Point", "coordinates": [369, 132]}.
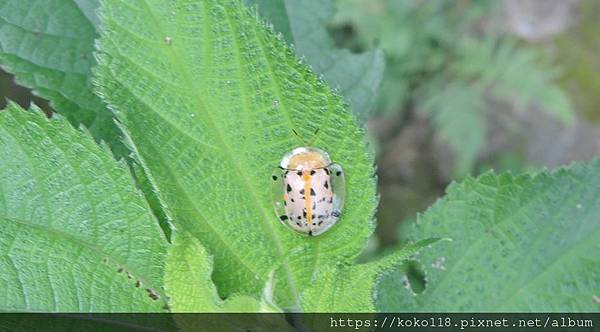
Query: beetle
{"type": "Point", "coordinates": [308, 191]}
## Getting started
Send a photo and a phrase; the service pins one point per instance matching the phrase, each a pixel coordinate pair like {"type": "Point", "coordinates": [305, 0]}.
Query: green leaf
{"type": "Point", "coordinates": [458, 112]}
{"type": "Point", "coordinates": [520, 243]}
{"type": "Point", "coordinates": [209, 97]}
{"type": "Point", "coordinates": [48, 47]}
{"type": "Point", "coordinates": [188, 283]}
{"type": "Point", "coordinates": [75, 234]}
{"type": "Point", "coordinates": [343, 288]}
{"type": "Point", "coordinates": [304, 24]}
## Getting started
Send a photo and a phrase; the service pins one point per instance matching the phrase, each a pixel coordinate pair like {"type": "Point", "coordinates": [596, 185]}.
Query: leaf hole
{"type": "Point", "coordinates": [415, 276]}
{"type": "Point", "coordinates": [152, 294]}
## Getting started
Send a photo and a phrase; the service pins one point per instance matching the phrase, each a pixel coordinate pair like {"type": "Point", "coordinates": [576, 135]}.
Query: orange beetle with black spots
{"type": "Point", "coordinates": [308, 191]}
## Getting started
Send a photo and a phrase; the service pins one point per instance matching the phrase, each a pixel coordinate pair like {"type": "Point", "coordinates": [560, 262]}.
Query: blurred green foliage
{"type": "Point", "coordinates": [580, 47]}
{"type": "Point", "coordinates": [442, 61]}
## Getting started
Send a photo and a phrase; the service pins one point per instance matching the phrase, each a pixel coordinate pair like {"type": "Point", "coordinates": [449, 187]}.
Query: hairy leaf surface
{"type": "Point", "coordinates": [520, 243]}
{"type": "Point", "coordinates": [75, 234]}
{"type": "Point", "coordinates": [48, 46]}
{"type": "Point", "coordinates": [210, 97]}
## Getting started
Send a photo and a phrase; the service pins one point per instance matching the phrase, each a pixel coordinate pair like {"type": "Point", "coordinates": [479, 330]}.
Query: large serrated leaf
{"type": "Point", "coordinates": [75, 234]}
{"type": "Point", "coordinates": [520, 243]}
{"type": "Point", "coordinates": [48, 46]}
{"type": "Point", "coordinates": [210, 98]}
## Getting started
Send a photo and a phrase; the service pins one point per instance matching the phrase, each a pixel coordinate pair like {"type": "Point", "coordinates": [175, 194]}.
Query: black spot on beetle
{"type": "Point", "coordinates": [274, 178]}
{"type": "Point", "coordinates": [331, 200]}
{"type": "Point", "coordinates": [299, 218]}
{"type": "Point", "coordinates": [291, 199]}
{"type": "Point", "coordinates": [312, 192]}
{"type": "Point", "coordinates": [320, 222]}
{"type": "Point", "coordinates": [326, 185]}
{"type": "Point", "coordinates": [304, 213]}
{"type": "Point", "coordinates": [289, 188]}
{"type": "Point", "coordinates": [314, 207]}
{"type": "Point", "coordinates": [338, 173]}
{"type": "Point", "coordinates": [309, 233]}
{"type": "Point", "coordinates": [314, 224]}
{"type": "Point", "coordinates": [312, 172]}
{"type": "Point", "coordinates": [299, 173]}
{"type": "Point", "coordinates": [312, 217]}
{"type": "Point", "coordinates": [326, 170]}
{"type": "Point", "coordinates": [301, 191]}
{"type": "Point", "coordinates": [336, 213]}
{"type": "Point", "coordinates": [283, 217]}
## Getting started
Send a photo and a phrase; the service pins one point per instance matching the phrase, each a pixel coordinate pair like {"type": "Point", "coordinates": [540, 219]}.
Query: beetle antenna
{"type": "Point", "coordinates": [314, 138]}
{"type": "Point", "coordinates": [300, 140]}
{"type": "Point", "coordinates": [306, 143]}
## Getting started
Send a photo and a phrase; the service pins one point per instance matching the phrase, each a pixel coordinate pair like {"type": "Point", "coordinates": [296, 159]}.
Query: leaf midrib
{"type": "Point", "coordinates": [291, 282]}
{"type": "Point", "coordinates": [176, 60]}
{"type": "Point", "coordinates": [183, 188]}
{"type": "Point", "coordinates": [81, 243]}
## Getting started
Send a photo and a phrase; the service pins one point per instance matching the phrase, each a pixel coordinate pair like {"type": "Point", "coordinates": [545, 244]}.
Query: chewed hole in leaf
{"type": "Point", "coordinates": [415, 277]}
{"type": "Point", "coordinates": [152, 294]}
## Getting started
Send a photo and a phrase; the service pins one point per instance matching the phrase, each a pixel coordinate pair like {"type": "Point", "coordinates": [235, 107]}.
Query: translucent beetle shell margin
{"type": "Point", "coordinates": [308, 191]}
